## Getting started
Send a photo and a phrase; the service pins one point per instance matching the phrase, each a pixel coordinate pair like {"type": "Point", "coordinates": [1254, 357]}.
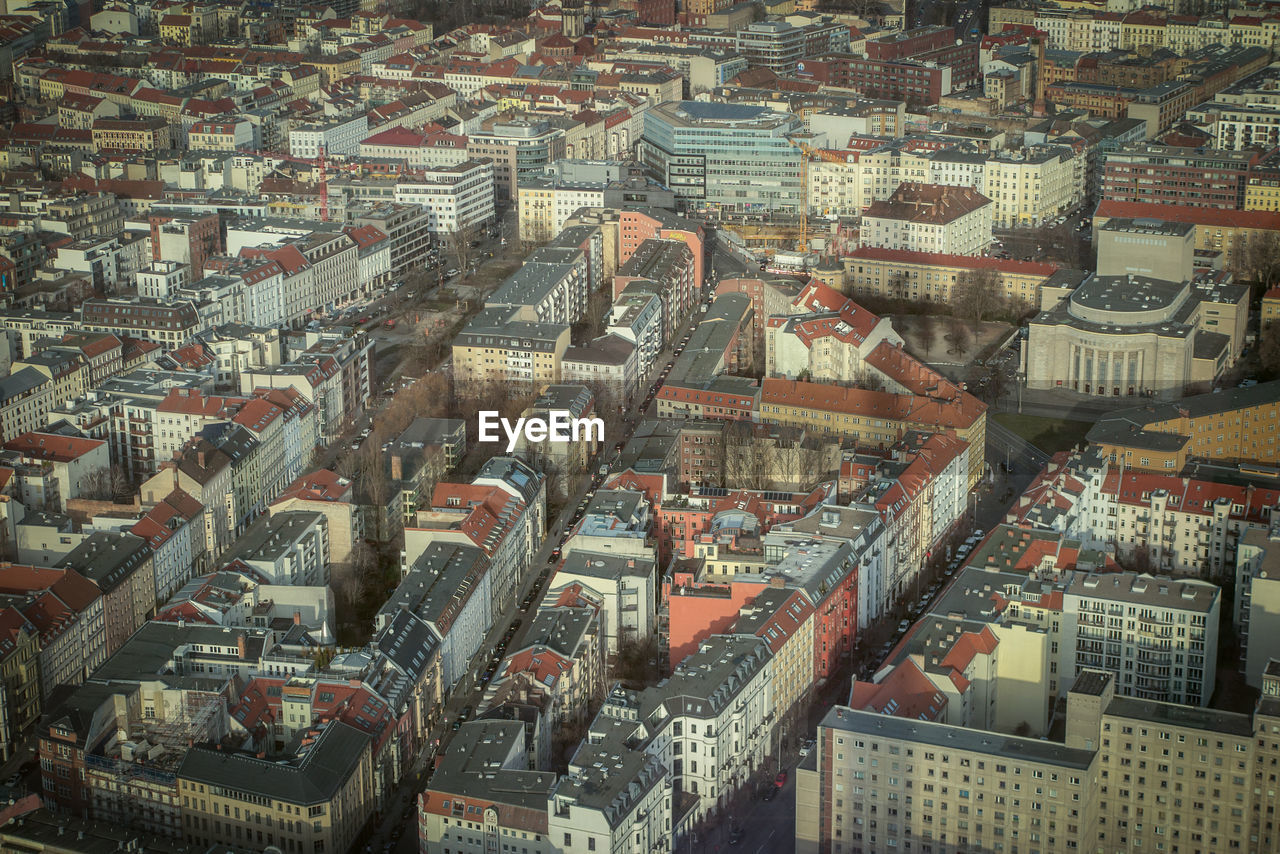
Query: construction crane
{"type": "Point", "coordinates": [805, 154]}
{"type": "Point", "coordinates": [324, 187]}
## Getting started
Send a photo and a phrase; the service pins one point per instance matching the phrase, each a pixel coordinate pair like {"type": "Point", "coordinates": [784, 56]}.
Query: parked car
{"type": "Point", "coordinates": [807, 747]}
{"type": "Point", "coordinates": [781, 779]}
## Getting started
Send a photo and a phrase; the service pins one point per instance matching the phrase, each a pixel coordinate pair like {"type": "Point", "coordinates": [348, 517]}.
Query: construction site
{"type": "Point", "coordinates": [133, 781]}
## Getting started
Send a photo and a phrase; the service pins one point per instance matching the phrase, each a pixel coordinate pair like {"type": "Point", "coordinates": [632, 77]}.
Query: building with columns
{"type": "Point", "coordinates": [1135, 336]}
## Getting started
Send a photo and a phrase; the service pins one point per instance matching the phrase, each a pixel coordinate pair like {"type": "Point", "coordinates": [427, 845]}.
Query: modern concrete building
{"type": "Point", "coordinates": [733, 157]}
{"type": "Point", "coordinates": [1256, 611]}
{"type": "Point", "coordinates": [1145, 247]}
{"type": "Point", "coordinates": [1109, 786]}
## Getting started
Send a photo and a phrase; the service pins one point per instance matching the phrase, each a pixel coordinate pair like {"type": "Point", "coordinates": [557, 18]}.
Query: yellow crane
{"type": "Point", "coordinates": [805, 154]}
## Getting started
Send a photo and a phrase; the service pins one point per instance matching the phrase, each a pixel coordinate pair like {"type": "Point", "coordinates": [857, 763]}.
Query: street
{"type": "Point", "coordinates": [470, 689]}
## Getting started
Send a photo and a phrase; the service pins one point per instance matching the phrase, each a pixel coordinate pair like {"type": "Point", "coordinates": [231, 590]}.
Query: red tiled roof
{"type": "Point", "coordinates": [52, 446]}
{"type": "Point", "coordinates": [906, 692]}
{"type": "Point", "coordinates": [319, 485]}
{"type": "Point", "coordinates": [939, 259]}
{"type": "Point", "coordinates": [194, 402]}
{"type": "Point", "coordinates": [1269, 220]}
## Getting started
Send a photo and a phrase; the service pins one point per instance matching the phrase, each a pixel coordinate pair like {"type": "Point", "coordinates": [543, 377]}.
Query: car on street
{"type": "Point", "coordinates": [807, 747]}
{"type": "Point", "coordinates": [736, 835]}
{"type": "Point", "coordinates": [772, 791]}
{"type": "Point", "coordinates": [781, 779]}
{"type": "Point", "coordinates": [903, 626]}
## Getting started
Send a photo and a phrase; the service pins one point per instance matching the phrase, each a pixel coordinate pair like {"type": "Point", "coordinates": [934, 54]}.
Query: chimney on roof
{"type": "Point", "coordinates": [297, 618]}
{"type": "Point", "coordinates": [241, 646]}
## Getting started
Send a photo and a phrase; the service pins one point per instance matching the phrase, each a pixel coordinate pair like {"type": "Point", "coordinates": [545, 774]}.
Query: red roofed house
{"type": "Point", "coordinates": [66, 610]}
{"type": "Point", "coordinates": [932, 276]}
{"type": "Point", "coordinates": [183, 413]}
{"type": "Point", "coordinates": [174, 529]}
{"type": "Point", "coordinates": [930, 218]}
{"type": "Point", "coordinates": [51, 468]}
{"type": "Point", "coordinates": [827, 345]}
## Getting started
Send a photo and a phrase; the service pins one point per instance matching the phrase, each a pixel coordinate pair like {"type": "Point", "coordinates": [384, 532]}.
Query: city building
{"type": "Point", "coordinates": [1164, 436]}
{"type": "Point", "coordinates": [929, 218]}
{"type": "Point", "coordinates": [763, 173]}
{"type": "Point", "coordinates": [1134, 336]}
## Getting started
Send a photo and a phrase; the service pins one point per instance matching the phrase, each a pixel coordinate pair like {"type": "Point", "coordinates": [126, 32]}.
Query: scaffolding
{"type": "Point", "coordinates": [134, 782]}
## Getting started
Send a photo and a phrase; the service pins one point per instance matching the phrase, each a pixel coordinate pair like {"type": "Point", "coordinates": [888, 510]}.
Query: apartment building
{"type": "Point", "coordinates": [456, 198]}
{"type": "Point", "coordinates": [408, 228]}
{"type": "Point", "coordinates": [669, 268]}
{"type": "Point", "coordinates": [929, 218]}
{"type": "Point", "coordinates": [1033, 185]}
{"type": "Point", "coordinates": [495, 349]}
{"type": "Point", "coordinates": [289, 548]}
{"type": "Point", "coordinates": [1232, 425]}
{"type": "Point", "coordinates": [559, 671]}
{"type": "Point", "coordinates": [829, 346]}
{"type": "Point", "coordinates": [1129, 772]}
{"type": "Point", "coordinates": [626, 585]}
{"type": "Point", "coordinates": [552, 287]}
{"type": "Point", "coordinates": [933, 277]}
{"type": "Point", "coordinates": [877, 782]}
{"type": "Point", "coordinates": [20, 676]}
{"type": "Point", "coordinates": [1257, 576]}
{"type": "Point", "coordinates": [462, 794]}
{"type": "Point", "coordinates": [1157, 636]}
{"type": "Point", "coordinates": [170, 323]}
{"type": "Point", "coordinates": [340, 136]}
{"type": "Point", "coordinates": [873, 417]}
{"type": "Point", "coordinates": [447, 588]}
{"type": "Point", "coordinates": [121, 566]}
{"type": "Point", "coordinates": [49, 469]}
{"type": "Point", "coordinates": [67, 610]}
{"type": "Point", "coordinates": [520, 150]}
{"type": "Point", "coordinates": [614, 794]}
{"type": "Point", "coordinates": [546, 203]}
{"type": "Point", "coordinates": [1180, 176]}
{"type": "Point", "coordinates": [319, 801]}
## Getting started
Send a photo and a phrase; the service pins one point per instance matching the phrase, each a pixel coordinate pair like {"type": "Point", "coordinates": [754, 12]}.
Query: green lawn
{"type": "Point", "coordinates": [1048, 434]}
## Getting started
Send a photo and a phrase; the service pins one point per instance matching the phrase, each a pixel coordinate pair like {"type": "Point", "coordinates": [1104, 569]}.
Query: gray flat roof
{"type": "Point", "coordinates": [1172, 714]}
{"type": "Point", "coordinates": [933, 734]}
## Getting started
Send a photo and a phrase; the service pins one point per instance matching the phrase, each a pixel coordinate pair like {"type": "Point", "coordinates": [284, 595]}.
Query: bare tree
{"type": "Point", "coordinates": [958, 336]}
{"type": "Point", "coordinates": [926, 329]}
{"type": "Point", "coordinates": [978, 294]}
{"type": "Point", "coordinates": [96, 485]}
{"type": "Point", "coordinates": [346, 581]}
{"type": "Point", "coordinates": [812, 465]}
{"type": "Point", "coordinates": [1269, 348]}
{"type": "Point", "coordinates": [459, 242]}
{"type": "Point", "coordinates": [748, 460]}
{"type": "Point", "coordinates": [1261, 259]}
{"type": "Point", "coordinates": [374, 481]}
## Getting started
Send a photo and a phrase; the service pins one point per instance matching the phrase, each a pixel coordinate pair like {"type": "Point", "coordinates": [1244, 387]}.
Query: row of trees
{"type": "Point", "coordinates": [752, 459]}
